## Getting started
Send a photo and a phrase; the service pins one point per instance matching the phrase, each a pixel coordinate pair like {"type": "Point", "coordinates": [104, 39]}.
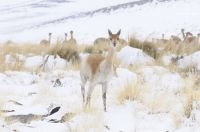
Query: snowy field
{"type": "Point", "coordinates": [146, 94]}
{"type": "Point", "coordinates": [33, 20]}
{"type": "Point", "coordinates": [148, 98]}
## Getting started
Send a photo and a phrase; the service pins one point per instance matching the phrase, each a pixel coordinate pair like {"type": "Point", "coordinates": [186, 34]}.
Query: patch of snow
{"type": "Point", "coordinates": [132, 56]}
{"type": "Point", "coordinates": [33, 62]}
{"type": "Point", "coordinates": [53, 62]}
{"type": "Point", "coordinates": [192, 60]}
{"type": "Point", "coordinates": [121, 118]}
{"type": "Point", "coordinates": [47, 62]}
{"type": "Point", "coordinates": [162, 79]}
{"type": "Point", "coordinates": [135, 20]}
{"type": "Point", "coordinates": [22, 78]}
{"type": "Point", "coordinates": [167, 59]}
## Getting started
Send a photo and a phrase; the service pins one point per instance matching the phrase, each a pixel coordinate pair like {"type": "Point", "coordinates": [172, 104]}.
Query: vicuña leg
{"type": "Point", "coordinates": [91, 88]}
{"type": "Point", "coordinates": [83, 82]}
{"type": "Point", "coordinates": [104, 90]}
{"type": "Point", "coordinates": [83, 92]}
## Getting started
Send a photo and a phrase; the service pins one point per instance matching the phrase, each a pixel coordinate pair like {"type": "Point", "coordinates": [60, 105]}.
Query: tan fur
{"type": "Point", "coordinates": [175, 39]}
{"type": "Point", "coordinates": [98, 69]}
{"type": "Point", "coordinates": [104, 42]}
{"type": "Point", "coordinates": [94, 62]}
{"type": "Point", "coordinates": [46, 42]}
{"type": "Point", "coordinates": [101, 41]}
{"type": "Point", "coordinates": [72, 40]}
{"type": "Point", "coordinates": [190, 39]}
{"type": "Point", "coordinates": [65, 41]}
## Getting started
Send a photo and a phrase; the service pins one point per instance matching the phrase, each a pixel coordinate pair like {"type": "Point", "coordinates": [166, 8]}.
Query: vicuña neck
{"type": "Point", "coordinates": [72, 36]}
{"type": "Point", "coordinates": [110, 55]}
{"type": "Point", "coordinates": [49, 39]}
{"type": "Point", "coordinates": [183, 35]}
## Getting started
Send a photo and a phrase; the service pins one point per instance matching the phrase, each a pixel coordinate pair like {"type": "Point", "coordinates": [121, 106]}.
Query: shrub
{"type": "Point", "coordinates": [148, 47]}
{"type": "Point", "coordinates": [67, 52]}
{"type": "Point", "coordinates": [94, 49]}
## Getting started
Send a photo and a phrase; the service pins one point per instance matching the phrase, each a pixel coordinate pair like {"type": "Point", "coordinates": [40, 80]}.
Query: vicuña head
{"type": "Point", "coordinates": [71, 33]}
{"type": "Point", "coordinates": [65, 36]}
{"type": "Point", "coordinates": [65, 40]}
{"type": "Point", "coordinates": [98, 69]}
{"type": "Point", "coordinates": [103, 42]}
{"type": "Point", "coordinates": [188, 37]}
{"type": "Point", "coordinates": [114, 38]}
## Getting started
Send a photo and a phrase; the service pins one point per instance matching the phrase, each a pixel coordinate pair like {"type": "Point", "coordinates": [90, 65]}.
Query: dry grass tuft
{"type": "Point", "coordinates": [68, 52]}
{"type": "Point", "coordinates": [97, 49]}
{"type": "Point", "coordinates": [24, 49]}
{"type": "Point", "coordinates": [181, 48]}
{"type": "Point", "coordinates": [191, 93]}
{"type": "Point", "coordinates": [148, 47]}
{"type": "Point", "coordinates": [131, 91]}
{"type": "Point", "coordinates": [16, 63]}
{"type": "Point", "coordinates": [157, 49]}
{"type": "Point", "coordinates": [88, 123]}
{"type": "Point", "coordinates": [14, 51]}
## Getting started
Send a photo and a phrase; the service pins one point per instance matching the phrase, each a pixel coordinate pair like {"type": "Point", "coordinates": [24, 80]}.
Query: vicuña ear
{"type": "Point", "coordinates": [109, 32]}
{"type": "Point", "coordinates": [118, 33]}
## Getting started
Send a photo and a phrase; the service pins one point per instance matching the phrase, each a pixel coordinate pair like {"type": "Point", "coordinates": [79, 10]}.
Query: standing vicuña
{"type": "Point", "coordinates": [72, 40]}
{"type": "Point", "coordinates": [98, 70]}
{"type": "Point", "coordinates": [46, 42]}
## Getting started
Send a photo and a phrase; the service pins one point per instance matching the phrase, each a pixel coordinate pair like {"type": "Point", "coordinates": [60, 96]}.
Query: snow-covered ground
{"type": "Point", "coordinates": [27, 20]}
{"type": "Point", "coordinates": [164, 100]}
{"type": "Point", "coordinates": [159, 106]}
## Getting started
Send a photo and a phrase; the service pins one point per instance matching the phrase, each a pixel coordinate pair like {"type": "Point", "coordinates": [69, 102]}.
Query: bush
{"type": "Point", "coordinates": [93, 49]}
{"type": "Point", "coordinates": [148, 47]}
{"type": "Point", "coordinates": [67, 52]}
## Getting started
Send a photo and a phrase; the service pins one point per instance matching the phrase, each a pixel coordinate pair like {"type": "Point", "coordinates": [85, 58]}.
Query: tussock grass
{"type": "Point", "coordinates": [148, 47]}
{"type": "Point", "coordinates": [68, 52]}
{"type": "Point", "coordinates": [24, 49]}
{"type": "Point", "coordinates": [15, 50]}
{"type": "Point", "coordinates": [191, 93]}
{"type": "Point", "coordinates": [90, 49]}
{"type": "Point", "coordinates": [139, 91]}
{"type": "Point", "coordinates": [88, 122]}
{"type": "Point", "coordinates": [131, 91]}
{"type": "Point", "coordinates": [181, 48]}
{"type": "Point", "coordinates": [97, 49]}
{"type": "Point", "coordinates": [157, 49]}
{"type": "Point", "coordinates": [15, 64]}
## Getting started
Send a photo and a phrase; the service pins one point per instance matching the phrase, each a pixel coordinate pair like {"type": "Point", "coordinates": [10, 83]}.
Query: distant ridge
{"type": "Point", "coordinates": [94, 12]}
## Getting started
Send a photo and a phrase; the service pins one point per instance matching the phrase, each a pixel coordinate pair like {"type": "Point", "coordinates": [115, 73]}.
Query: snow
{"type": "Point", "coordinates": [136, 21]}
{"type": "Point", "coordinates": [167, 59]}
{"type": "Point", "coordinates": [163, 78]}
{"type": "Point", "coordinates": [33, 62]}
{"type": "Point", "coordinates": [121, 118]}
{"type": "Point", "coordinates": [47, 81]}
{"type": "Point", "coordinates": [134, 115]}
{"type": "Point", "coordinates": [129, 116]}
{"type": "Point", "coordinates": [132, 56]}
{"type": "Point", "coordinates": [47, 62]}
{"type": "Point", "coordinates": [190, 61]}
